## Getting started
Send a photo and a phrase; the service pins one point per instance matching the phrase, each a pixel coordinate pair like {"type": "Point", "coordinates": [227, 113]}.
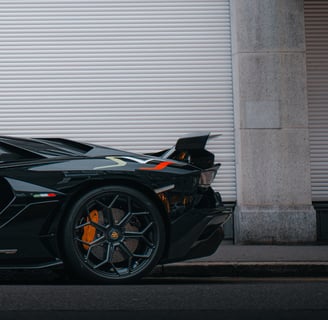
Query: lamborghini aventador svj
{"type": "Point", "coordinates": [107, 215]}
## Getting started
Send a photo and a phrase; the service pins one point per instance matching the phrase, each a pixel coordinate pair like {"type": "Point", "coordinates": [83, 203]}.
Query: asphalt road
{"type": "Point", "coordinates": [170, 298]}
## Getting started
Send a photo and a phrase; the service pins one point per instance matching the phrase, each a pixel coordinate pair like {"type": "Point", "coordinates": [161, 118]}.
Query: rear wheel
{"type": "Point", "coordinates": [113, 234]}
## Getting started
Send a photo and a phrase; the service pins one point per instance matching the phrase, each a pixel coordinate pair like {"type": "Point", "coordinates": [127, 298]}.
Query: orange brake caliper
{"type": "Point", "coordinates": [89, 231]}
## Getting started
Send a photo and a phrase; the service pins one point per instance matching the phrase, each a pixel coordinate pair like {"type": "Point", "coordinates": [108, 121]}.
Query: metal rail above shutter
{"type": "Point", "coordinates": [316, 29]}
{"type": "Point", "coordinates": [128, 74]}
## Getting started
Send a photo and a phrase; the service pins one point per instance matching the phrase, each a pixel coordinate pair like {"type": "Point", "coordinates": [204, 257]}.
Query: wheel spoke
{"type": "Point", "coordinates": [116, 270]}
{"type": "Point", "coordinates": [93, 243]}
{"type": "Point", "coordinates": [125, 219]}
{"type": "Point", "coordinates": [107, 211]}
{"type": "Point", "coordinates": [130, 214]}
{"type": "Point", "coordinates": [143, 256]}
{"type": "Point", "coordinates": [140, 234]}
{"type": "Point", "coordinates": [125, 249]}
{"type": "Point", "coordinates": [128, 253]}
{"type": "Point", "coordinates": [98, 226]}
{"type": "Point", "coordinates": [147, 228]}
{"type": "Point", "coordinates": [91, 223]}
{"type": "Point", "coordinates": [141, 213]}
{"type": "Point", "coordinates": [81, 226]}
{"type": "Point", "coordinates": [130, 234]}
{"type": "Point", "coordinates": [109, 254]}
{"type": "Point", "coordinates": [149, 243]}
{"type": "Point", "coordinates": [114, 200]}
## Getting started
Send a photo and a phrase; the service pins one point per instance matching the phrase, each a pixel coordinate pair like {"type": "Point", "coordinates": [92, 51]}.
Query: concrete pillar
{"type": "Point", "coordinates": [271, 125]}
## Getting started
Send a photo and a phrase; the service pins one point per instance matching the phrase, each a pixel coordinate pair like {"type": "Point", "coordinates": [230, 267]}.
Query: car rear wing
{"type": "Point", "coordinates": [191, 149]}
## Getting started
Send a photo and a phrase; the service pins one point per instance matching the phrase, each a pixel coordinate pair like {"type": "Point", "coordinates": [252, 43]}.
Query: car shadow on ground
{"type": "Point", "coordinates": [61, 277]}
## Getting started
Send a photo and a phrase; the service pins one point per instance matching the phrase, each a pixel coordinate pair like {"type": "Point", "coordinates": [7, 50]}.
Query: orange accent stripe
{"type": "Point", "coordinates": [158, 167]}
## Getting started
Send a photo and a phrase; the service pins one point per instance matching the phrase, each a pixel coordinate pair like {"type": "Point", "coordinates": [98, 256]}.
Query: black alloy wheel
{"type": "Point", "coordinates": [113, 234]}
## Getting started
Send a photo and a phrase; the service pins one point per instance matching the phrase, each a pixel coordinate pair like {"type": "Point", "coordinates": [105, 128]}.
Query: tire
{"type": "Point", "coordinates": [113, 234]}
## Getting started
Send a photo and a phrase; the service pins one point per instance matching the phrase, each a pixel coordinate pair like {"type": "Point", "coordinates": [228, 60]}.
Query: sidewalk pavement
{"type": "Point", "coordinates": [254, 261]}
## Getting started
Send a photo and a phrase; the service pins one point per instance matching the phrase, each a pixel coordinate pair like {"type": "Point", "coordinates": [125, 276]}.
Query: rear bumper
{"type": "Point", "coordinates": [197, 233]}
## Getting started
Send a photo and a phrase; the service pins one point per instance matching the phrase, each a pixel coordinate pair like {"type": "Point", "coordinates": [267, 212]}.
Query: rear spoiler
{"type": "Point", "coordinates": [191, 149]}
{"type": "Point", "coordinates": [194, 141]}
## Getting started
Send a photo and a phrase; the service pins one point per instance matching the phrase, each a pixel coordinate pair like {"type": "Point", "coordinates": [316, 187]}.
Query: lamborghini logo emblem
{"type": "Point", "coordinates": [114, 235]}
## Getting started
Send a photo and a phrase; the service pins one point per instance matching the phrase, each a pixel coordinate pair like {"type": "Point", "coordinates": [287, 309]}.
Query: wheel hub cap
{"type": "Point", "coordinates": [114, 235]}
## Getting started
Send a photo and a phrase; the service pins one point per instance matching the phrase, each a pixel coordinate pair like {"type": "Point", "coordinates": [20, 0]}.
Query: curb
{"type": "Point", "coordinates": [243, 269]}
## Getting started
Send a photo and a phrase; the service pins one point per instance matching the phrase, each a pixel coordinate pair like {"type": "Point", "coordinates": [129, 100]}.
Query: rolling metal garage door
{"type": "Point", "coordinates": [316, 29]}
{"type": "Point", "coordinates": [128, 74]}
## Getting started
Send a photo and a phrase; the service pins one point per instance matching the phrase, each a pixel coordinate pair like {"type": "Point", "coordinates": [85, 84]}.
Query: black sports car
{"type": "Point", "coordinates": [107, 215]}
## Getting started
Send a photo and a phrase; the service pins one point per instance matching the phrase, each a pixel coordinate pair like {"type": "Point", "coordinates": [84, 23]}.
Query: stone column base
{"type": "Point", "coordinates": [275, 224]}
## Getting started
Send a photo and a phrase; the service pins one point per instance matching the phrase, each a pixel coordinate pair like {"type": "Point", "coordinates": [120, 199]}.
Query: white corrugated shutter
{"type": "Point", "coordinates": [129, 74]}
{"type": "Point", "coordinates": [316, 29]}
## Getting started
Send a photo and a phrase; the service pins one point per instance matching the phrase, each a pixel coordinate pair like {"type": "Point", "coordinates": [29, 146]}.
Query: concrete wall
{"type": "Point", "coordinates": [271, 124]}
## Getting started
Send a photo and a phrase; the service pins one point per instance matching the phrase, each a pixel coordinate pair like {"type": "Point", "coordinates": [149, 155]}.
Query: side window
{"type": "Point", "coordinates": [8, 156]}
{"type": "Point", "coordinates": [6, 194]}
